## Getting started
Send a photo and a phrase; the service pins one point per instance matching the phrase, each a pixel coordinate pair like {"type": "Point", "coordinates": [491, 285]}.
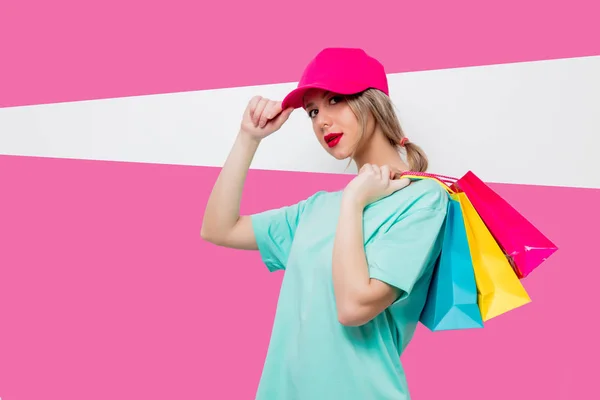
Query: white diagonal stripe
{"type": "Point", "coordinates": [532, 123]}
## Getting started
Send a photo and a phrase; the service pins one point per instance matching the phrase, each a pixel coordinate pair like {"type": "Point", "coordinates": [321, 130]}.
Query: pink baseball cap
{"type": "Point", "coordinates": [339, 70]}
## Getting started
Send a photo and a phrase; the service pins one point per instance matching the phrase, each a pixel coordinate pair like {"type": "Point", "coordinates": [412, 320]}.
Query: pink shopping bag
{"type": "Point", "coordinates": [524, 244]}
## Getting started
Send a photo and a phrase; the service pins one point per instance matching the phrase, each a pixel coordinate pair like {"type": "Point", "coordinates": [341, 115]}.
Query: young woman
{"type": "Point", "coordinates": [358, 262]}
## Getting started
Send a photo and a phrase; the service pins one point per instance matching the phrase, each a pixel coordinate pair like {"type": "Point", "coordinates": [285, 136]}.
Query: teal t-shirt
{"type": "Point", "coordinates": [312, 356]}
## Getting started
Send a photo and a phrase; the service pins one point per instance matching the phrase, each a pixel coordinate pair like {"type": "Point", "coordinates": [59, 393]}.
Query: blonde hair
{"type": "Point", "coordinates": [377, 104]}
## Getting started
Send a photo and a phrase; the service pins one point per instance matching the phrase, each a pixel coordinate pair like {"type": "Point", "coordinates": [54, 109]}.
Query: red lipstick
{"type": "Point", "coordinates": [332, 139]}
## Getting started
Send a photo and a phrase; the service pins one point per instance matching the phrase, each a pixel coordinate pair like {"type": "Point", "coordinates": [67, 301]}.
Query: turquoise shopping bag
{"type": "Point", "coordinates": [452, 299]}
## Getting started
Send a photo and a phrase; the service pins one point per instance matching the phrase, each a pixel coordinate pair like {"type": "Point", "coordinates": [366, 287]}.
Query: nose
{"type": "Point", "coordinates": [323, 121]}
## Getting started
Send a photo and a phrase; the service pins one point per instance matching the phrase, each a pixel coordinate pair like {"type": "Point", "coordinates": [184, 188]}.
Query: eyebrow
{"type": "Point", "coordinates": [311, 103]}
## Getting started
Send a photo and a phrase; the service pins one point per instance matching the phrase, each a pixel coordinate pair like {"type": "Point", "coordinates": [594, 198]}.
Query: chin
{"type": "Point", "coordinates": [341, 151]}
{"type": "Point", "coordinates": [338, 153]}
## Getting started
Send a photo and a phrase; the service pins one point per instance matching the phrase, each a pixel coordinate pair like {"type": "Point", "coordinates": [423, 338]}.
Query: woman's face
{"type": "Point", "coordinates": [334, 123]}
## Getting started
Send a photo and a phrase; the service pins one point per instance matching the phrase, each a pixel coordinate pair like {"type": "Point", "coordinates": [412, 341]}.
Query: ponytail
{"type": "Point", "coordinates": [416, 157]}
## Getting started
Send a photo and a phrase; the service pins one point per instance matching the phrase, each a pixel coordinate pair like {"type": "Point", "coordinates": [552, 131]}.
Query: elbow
{"type": "Point", "coordinates": [208, 235]}
{"type": "Point", "coordinates": [204, 233]}
{"type": "Point", "coordinates": [348, 320]}
{"type": "Point", "coordinates": [351, 315]}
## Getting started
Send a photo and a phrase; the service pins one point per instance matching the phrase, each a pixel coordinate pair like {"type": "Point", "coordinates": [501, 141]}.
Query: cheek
{"type": "Point", "coordinates": [316, 130]}
{"type": "Point", "coordinates": [350, 124]}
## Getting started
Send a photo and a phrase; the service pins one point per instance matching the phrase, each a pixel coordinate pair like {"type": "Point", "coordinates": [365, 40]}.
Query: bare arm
{"type": "Point", "coordinates": [359, 298]}
{"type": "Point", "coordinates": [222, 223]}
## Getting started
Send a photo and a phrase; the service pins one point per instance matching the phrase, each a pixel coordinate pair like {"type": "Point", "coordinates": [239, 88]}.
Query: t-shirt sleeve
{"type": "Point", "coordinates": [274, 231]}
{"type": "Point", "coordinates": [408, 249]}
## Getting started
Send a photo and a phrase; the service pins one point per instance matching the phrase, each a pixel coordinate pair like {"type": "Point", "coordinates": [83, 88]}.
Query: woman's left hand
{"type": "Point", "coordinates": [373, 183]}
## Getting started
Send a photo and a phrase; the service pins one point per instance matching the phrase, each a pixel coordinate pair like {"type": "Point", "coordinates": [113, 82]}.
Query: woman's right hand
{"type": "Point", "coordinates": [263, 117]}
{"type": "Point", "coordinates": [222, 223]}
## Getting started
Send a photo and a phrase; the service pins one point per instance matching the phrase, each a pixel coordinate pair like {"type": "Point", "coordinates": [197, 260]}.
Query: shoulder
{"type": "Point", "coordinates": [315, 199]}
{"type": "Point", "coordinates": [423, 195]}
{"type": "Point", "coordinates": [292, 210]}
{"type": "Point", "coordinates": [430, 194]}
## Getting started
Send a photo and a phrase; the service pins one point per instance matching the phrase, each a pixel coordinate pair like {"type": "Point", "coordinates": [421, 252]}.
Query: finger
{"type": "Point", "coordinates": [274, 108]}
{"type": "Point", "coordinates": [252, 105]}
{"type": "Point", "coordinates": [385, 174]}
{"type": "Point", "coordinates": [366, 168]}
{"type": "Point", "coordinates": [283, 116]}
{"type": "Point", "coordinates": [260, 107]}
{"type": "Point", "coordinates": [398, 184]}
{"type": "Point", "coordinates": [260, 111]}
{"type": "Point", "coordinates": [377, 170]}
{"type": "Point", "coordinates": [270, 111]}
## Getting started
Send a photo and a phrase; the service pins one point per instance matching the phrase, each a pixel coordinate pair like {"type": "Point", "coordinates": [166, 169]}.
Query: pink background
{"type": "Point", "coordinates": [107, 291]}
{"type": "Point", "coordinates": [68, 50]}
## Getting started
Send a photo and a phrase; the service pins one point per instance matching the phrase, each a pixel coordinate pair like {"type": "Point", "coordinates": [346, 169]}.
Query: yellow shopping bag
{"type": "Point", "coordinates": [499, 288]}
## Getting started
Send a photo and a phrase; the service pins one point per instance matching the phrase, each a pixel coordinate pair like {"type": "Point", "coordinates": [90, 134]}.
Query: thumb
{"type": "Point", "coordinates": [283, 116]}
{"type": "Point", "coordinates": [398, 184]}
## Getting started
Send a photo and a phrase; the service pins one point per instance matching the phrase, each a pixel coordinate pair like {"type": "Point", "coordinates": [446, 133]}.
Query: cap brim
{"type": "Point", "coordinates": [295, 98]}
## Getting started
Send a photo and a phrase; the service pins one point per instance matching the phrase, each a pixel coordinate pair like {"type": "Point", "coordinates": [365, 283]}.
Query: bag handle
{"type": "Point", "coordinates": [441, 179]}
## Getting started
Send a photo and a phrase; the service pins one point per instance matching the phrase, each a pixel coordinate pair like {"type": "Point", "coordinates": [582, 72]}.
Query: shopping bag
{"type": "Point", "coordinates": [521, 241]}
{"type": "Point", "coordinates": [499, 288]}
{"type": "Point", "coordinates": [452, 301]}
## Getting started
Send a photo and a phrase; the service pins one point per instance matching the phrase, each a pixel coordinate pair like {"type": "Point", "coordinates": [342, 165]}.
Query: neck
{"type": "Point", "coordinates": [378, 150]}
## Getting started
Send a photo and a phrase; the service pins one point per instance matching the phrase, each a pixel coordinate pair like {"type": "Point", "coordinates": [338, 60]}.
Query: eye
{"type": "Point", "coordinates": [310, 113]}
{"type": "Point", "coordinates": [335, 99]}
